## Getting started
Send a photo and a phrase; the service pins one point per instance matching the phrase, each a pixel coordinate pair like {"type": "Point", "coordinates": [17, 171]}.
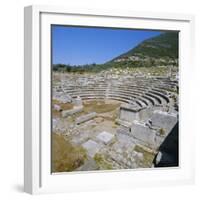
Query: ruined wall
{"type": "Point", "coordinates": [128, 115]}
{"type": "Point", "coordinates": [143, 133]}
{"type": "Point", "coordinates": [164, 120]}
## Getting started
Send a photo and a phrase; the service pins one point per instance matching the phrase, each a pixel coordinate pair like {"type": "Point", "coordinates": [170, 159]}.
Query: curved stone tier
{"type": "Point", "coordinates": [132, 90]}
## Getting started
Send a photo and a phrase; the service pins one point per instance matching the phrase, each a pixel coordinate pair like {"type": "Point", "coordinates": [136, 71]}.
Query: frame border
{"type": "Point", "coordinates": [32, 77]}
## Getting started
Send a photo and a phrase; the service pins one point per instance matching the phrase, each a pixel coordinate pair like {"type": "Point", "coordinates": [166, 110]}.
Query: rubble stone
{"type": "Point", "coordinates": [66, 113]}
{"type": "Point", "coordinates": [85, 118]}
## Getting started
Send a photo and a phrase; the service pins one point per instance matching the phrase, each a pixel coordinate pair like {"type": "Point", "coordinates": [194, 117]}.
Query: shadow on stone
{"type": "Point", "coordinates": [168, 155]}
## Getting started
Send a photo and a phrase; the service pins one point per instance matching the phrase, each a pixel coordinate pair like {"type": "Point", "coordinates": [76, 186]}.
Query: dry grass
{"type": "Point", "coordinates": [64, 106]}
{"type": "Point", "coordinates": [99, 106]}
{"type": "Point", "coordinates": [162, 132]}
{"type": "Point", "coordinates": [65, 156]}
{"type": "Point", "coordinates": [101, 162]}
{"type": "Point", "coordinates": [148, 156]}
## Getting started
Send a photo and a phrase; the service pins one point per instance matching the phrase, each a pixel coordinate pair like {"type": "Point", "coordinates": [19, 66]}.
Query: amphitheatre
{"type": "Point", "coordinates": [114, 119]}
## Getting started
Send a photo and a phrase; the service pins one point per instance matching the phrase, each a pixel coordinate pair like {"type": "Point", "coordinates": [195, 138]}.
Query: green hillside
{"type": "Point", "coordinates": [164, 45]}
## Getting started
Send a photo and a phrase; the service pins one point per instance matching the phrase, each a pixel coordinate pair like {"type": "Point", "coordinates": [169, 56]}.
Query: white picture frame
{"type": "Point", "coordinates": [37, 171]}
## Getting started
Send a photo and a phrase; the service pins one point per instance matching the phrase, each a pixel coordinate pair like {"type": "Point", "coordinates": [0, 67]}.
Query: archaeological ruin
{"type": "Point", "coordinates": [120, 121]}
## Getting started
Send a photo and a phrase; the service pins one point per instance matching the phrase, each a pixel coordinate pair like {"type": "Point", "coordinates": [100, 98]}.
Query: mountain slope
{"type": "Point", "coordinates": [160, 48]}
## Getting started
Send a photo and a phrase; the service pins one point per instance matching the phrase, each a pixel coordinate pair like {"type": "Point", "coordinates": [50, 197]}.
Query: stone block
{"type": "Point", "coordinates": [77, 101]}
{"type": "Point", "coordinates": [66, 113]}
{"type": "Point", "coordinates": [105, 137]}
{"type": "Point", "coordinates": [92, 147]}
{"type": "Point", "coordinates": [143, 133]}
{"type": "Point", "coordinates": [164, 120]}
{"type": "Point", "coordinates": [123, 123]}
{"type": "Point", "coordinates": [130, 113]}
{"type": "Point", "coordinates": [85, 118]}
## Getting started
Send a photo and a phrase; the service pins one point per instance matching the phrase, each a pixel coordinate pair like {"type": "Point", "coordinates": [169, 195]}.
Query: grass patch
{"type": "Point", "coordinates": [101, 162]}
{"type": "Point", "coordinates": [65, 156]}
{"type": "Point", "coordinates": [99, 106]}
{"type": "Point", "coordinates": [148, 156]}
{"type": "Point", "coordinates": [162, 132]}
{"type": "Point", "coordinates": [55, 113]}
{"type": "Point", "coordinates": [114, 125]}
{"type": "Point", "coordinates": [64, 106]}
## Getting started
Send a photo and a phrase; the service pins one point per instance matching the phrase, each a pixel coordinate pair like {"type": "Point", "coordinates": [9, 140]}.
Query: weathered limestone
{"type": "Point", "coordinates": [164, 120]}
{"type": "Point", "coordinates": [105, 137]}
{"type": "Point", "coordinates": [77, 101]}
{"type": "Point", "coordinates": [92, 147]}
{"type": "Point", "coordinates": [85, 118]}
{"type": "Point", "coordinates": [151, 91]}
{"type": "Point", "coordinates": [66, 113]}
{"type": "Point", "coordinates": [123, 123]}
{"type": "Point", "coordinates": [154, 134]}
{"type": "Point", "coordinates": [64, 98]}
{"type": "Point", "coordinates": [143, 133]}
{"type": "Point", "coordinates": [129, 112]}
{"type": "Point", "coordinates": [145, 114]}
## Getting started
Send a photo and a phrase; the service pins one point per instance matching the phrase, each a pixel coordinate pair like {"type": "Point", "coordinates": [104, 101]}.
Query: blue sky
{"type": "Point", "coordinates": [81, 45]}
